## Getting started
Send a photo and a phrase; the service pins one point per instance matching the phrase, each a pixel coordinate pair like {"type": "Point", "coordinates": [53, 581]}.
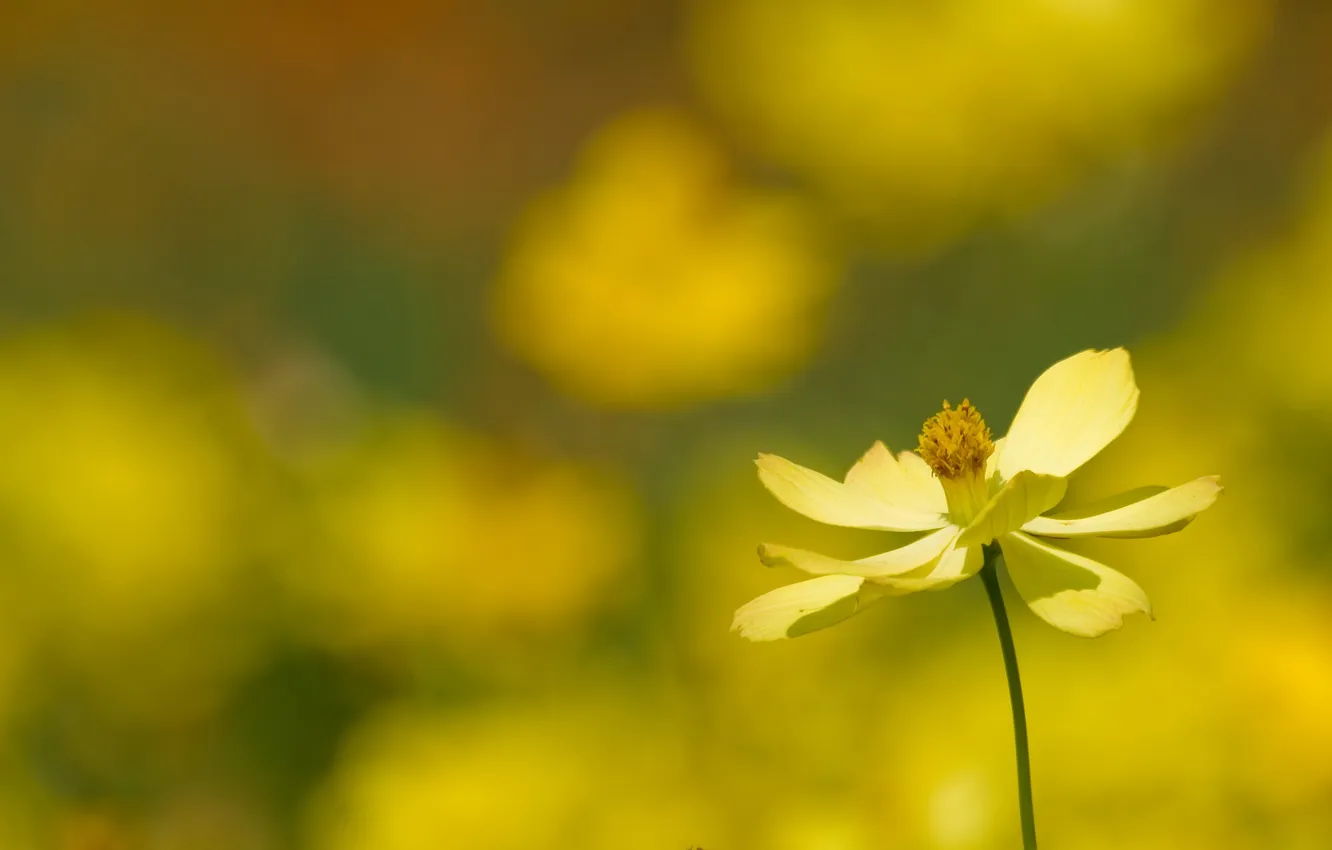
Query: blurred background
{"type": "Point", "coordinates": [380, 383]}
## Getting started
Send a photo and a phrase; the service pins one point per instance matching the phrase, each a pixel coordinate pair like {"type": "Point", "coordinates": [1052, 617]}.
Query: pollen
{"type": "Point", "coordinates": [955, 442]}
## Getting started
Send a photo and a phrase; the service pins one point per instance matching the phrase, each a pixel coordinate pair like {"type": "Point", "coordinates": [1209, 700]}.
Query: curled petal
{"type": "Point", "coordinates": [1069, 591]}
{"type": "Point", "coordinates": [1025, 496]}
{"type": "Point", "coordinates": [913, 556]}
{"type": "Point", "coordinates": [803, 607]}
{"type": "Point", "coordinates": [954, 565]}
{"type": "Point", "coordinates": [821, 498]}
{"type": "Point", "coordinates": [1147, 512]}
{"type": "Point", "coordinates": [1070, 413]}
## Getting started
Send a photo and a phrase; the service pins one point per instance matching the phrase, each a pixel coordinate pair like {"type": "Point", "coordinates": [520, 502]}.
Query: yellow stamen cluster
{"type": "Point", "coordinates": [955, 442]}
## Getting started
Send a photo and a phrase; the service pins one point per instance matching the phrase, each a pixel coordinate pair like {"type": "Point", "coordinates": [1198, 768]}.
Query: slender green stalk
{"type": "Point", "coordinates": [990, 576]}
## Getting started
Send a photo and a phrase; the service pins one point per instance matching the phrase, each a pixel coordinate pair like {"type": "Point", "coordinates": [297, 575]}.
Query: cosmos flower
{"type": "Point", "coordinates": [714, 288]}
{"type": "Point", "coordinates": [918, 119]}
{"type": "Point", "coordinates": [961, 490]}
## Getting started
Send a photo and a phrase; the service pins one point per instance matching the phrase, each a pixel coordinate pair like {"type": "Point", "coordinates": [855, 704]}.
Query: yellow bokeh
{"type": "Point", "coordinates": [424, 533]}
{"type": "Point", "coordinates": [924, 117]}
{"type": "Point", "coordinates": [557, 773]}
{"type": "Point", "coordinates": [126, 475]}
{"type": "Point", "coordinates": [380, 385]}
{"type": "Point", "coordinates": [655, 278]}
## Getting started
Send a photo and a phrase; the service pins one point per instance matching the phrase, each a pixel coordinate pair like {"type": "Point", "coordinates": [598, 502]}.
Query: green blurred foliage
{"type": "Point", "coordinates": [379, 385]}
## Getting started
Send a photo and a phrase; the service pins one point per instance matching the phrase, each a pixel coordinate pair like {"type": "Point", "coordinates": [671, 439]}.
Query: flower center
{"type": "Point", "coordinates": [955, 442]}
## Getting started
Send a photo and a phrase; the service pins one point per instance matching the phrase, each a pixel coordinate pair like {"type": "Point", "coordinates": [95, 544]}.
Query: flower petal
{"type": "Point", "coordinates": [803, 607]}
{"type": "Point", "coordinates": [898, 482]}
{"type": "Point", "coordinates": [1155, 513]}
{"type": "Point", "coordinates": [1072, 412]}
{"type": "Point", "coordinates": [910, 557]}
{"type": "Point", "coordinates": [1070, 591]}
{"type": "Point", "coordinates": [923, 482]}
{"type": "Point", "coordinates": [821, 498]}
{"type": "Point", "coordinates": [992, 463]}
{"type": "Point", "coordinates": [954, 565]}
{"type": "Point", "coordinates": [1026, 495]}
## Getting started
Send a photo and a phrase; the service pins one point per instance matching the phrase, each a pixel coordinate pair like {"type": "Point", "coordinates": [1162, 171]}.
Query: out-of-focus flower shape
{"type": "Point", "coordinates": [940, 787]}
{"type": "Point", "coordinates": [561, 776]}
{"type": "Point", "coordinates": [428, 534]}
{"type": "Point", "coordinates": [1127, 749]}
{"type": "Point", "coordinates": [1281, 697]}
{"type": "Point", "coordinates": [967, 491]}
{"type": "Point", "coordinates": [927, 115]}
{"type": "Point", "coordinates": [127, 473]}
{"type": "Point", "coordinates": [652, 279]}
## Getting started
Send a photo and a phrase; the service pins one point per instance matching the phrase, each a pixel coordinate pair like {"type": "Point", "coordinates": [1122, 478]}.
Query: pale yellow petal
{"type": "Point", "coordinates": [821, 498]}
{"type": "Point", "coordinates": [992, 463]}
{"type": "Point", "coordinates": [876, 472]}
{"type": "Point", "coordinates": [958, 560]}
{"type": "Point", "coordinates": [1072, 412]}
{"type": "Point", "coordinates": [803, 607]}
{"type": "Point", "coordinates": [1148, 516]}
{"type": "Point", "coordinates": [896, 482]}
{"type": "Point", "coordinates": [954, 565]}
{"type": "Point", "coordinates": [910, 557]}
{"type": "Point", "coordinates": [923, 482]}
{"type": "Point", "coordinates": [1025, 496]}
{"type": "Point", "coordinates": [1069, 591]}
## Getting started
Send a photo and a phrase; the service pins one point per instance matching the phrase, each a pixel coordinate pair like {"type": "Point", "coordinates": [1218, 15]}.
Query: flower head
{"type": "Point", "coordinates": [956, 442]}
{"type": "Point", "coordinates": [892, 115]}
{"type": "Point", "coordinates": [962, 490]}
{"type": "Point", "coordinates": [699, 286]}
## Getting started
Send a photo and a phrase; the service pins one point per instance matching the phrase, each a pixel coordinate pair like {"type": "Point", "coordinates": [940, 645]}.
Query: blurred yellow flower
{"type": "Point", "coordinates": [1128, 743]}
{"type": "Point", "coordinates": [428, 534]}
{"type": "Point", "coordinates": [561, 775]}
{"type": "Point", "coordinates": [652, 279]}
{"type": "Point", "coordinates": [942, 786]}
{"type": "Point", "coordinates": [924, 116]}
{"type": "Point", "coordinates": [1281, 699]}
{"type": "Point", "coordinates": [127, 473]}
{"type": "Point", "coordinates": [966, 491]}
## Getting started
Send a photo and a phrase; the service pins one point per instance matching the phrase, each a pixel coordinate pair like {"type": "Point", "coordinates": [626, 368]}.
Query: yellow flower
{"type": "Point", "coordinates": [923, 118]}
{"type": "Point", "coordinates": [655, 278]}
{"type": "Point", "coordinates": [963, 491]}
{"type": "Point", "coordinates": [131, 491]}
{"type": "Point", "coordinates": [601, 768]}
{"type": "Point", "coordinates": [401, 515]}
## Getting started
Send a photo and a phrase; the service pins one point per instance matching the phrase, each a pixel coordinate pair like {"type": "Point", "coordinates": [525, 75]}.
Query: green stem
{"type": "Point", "coordinates": [990, 577]}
